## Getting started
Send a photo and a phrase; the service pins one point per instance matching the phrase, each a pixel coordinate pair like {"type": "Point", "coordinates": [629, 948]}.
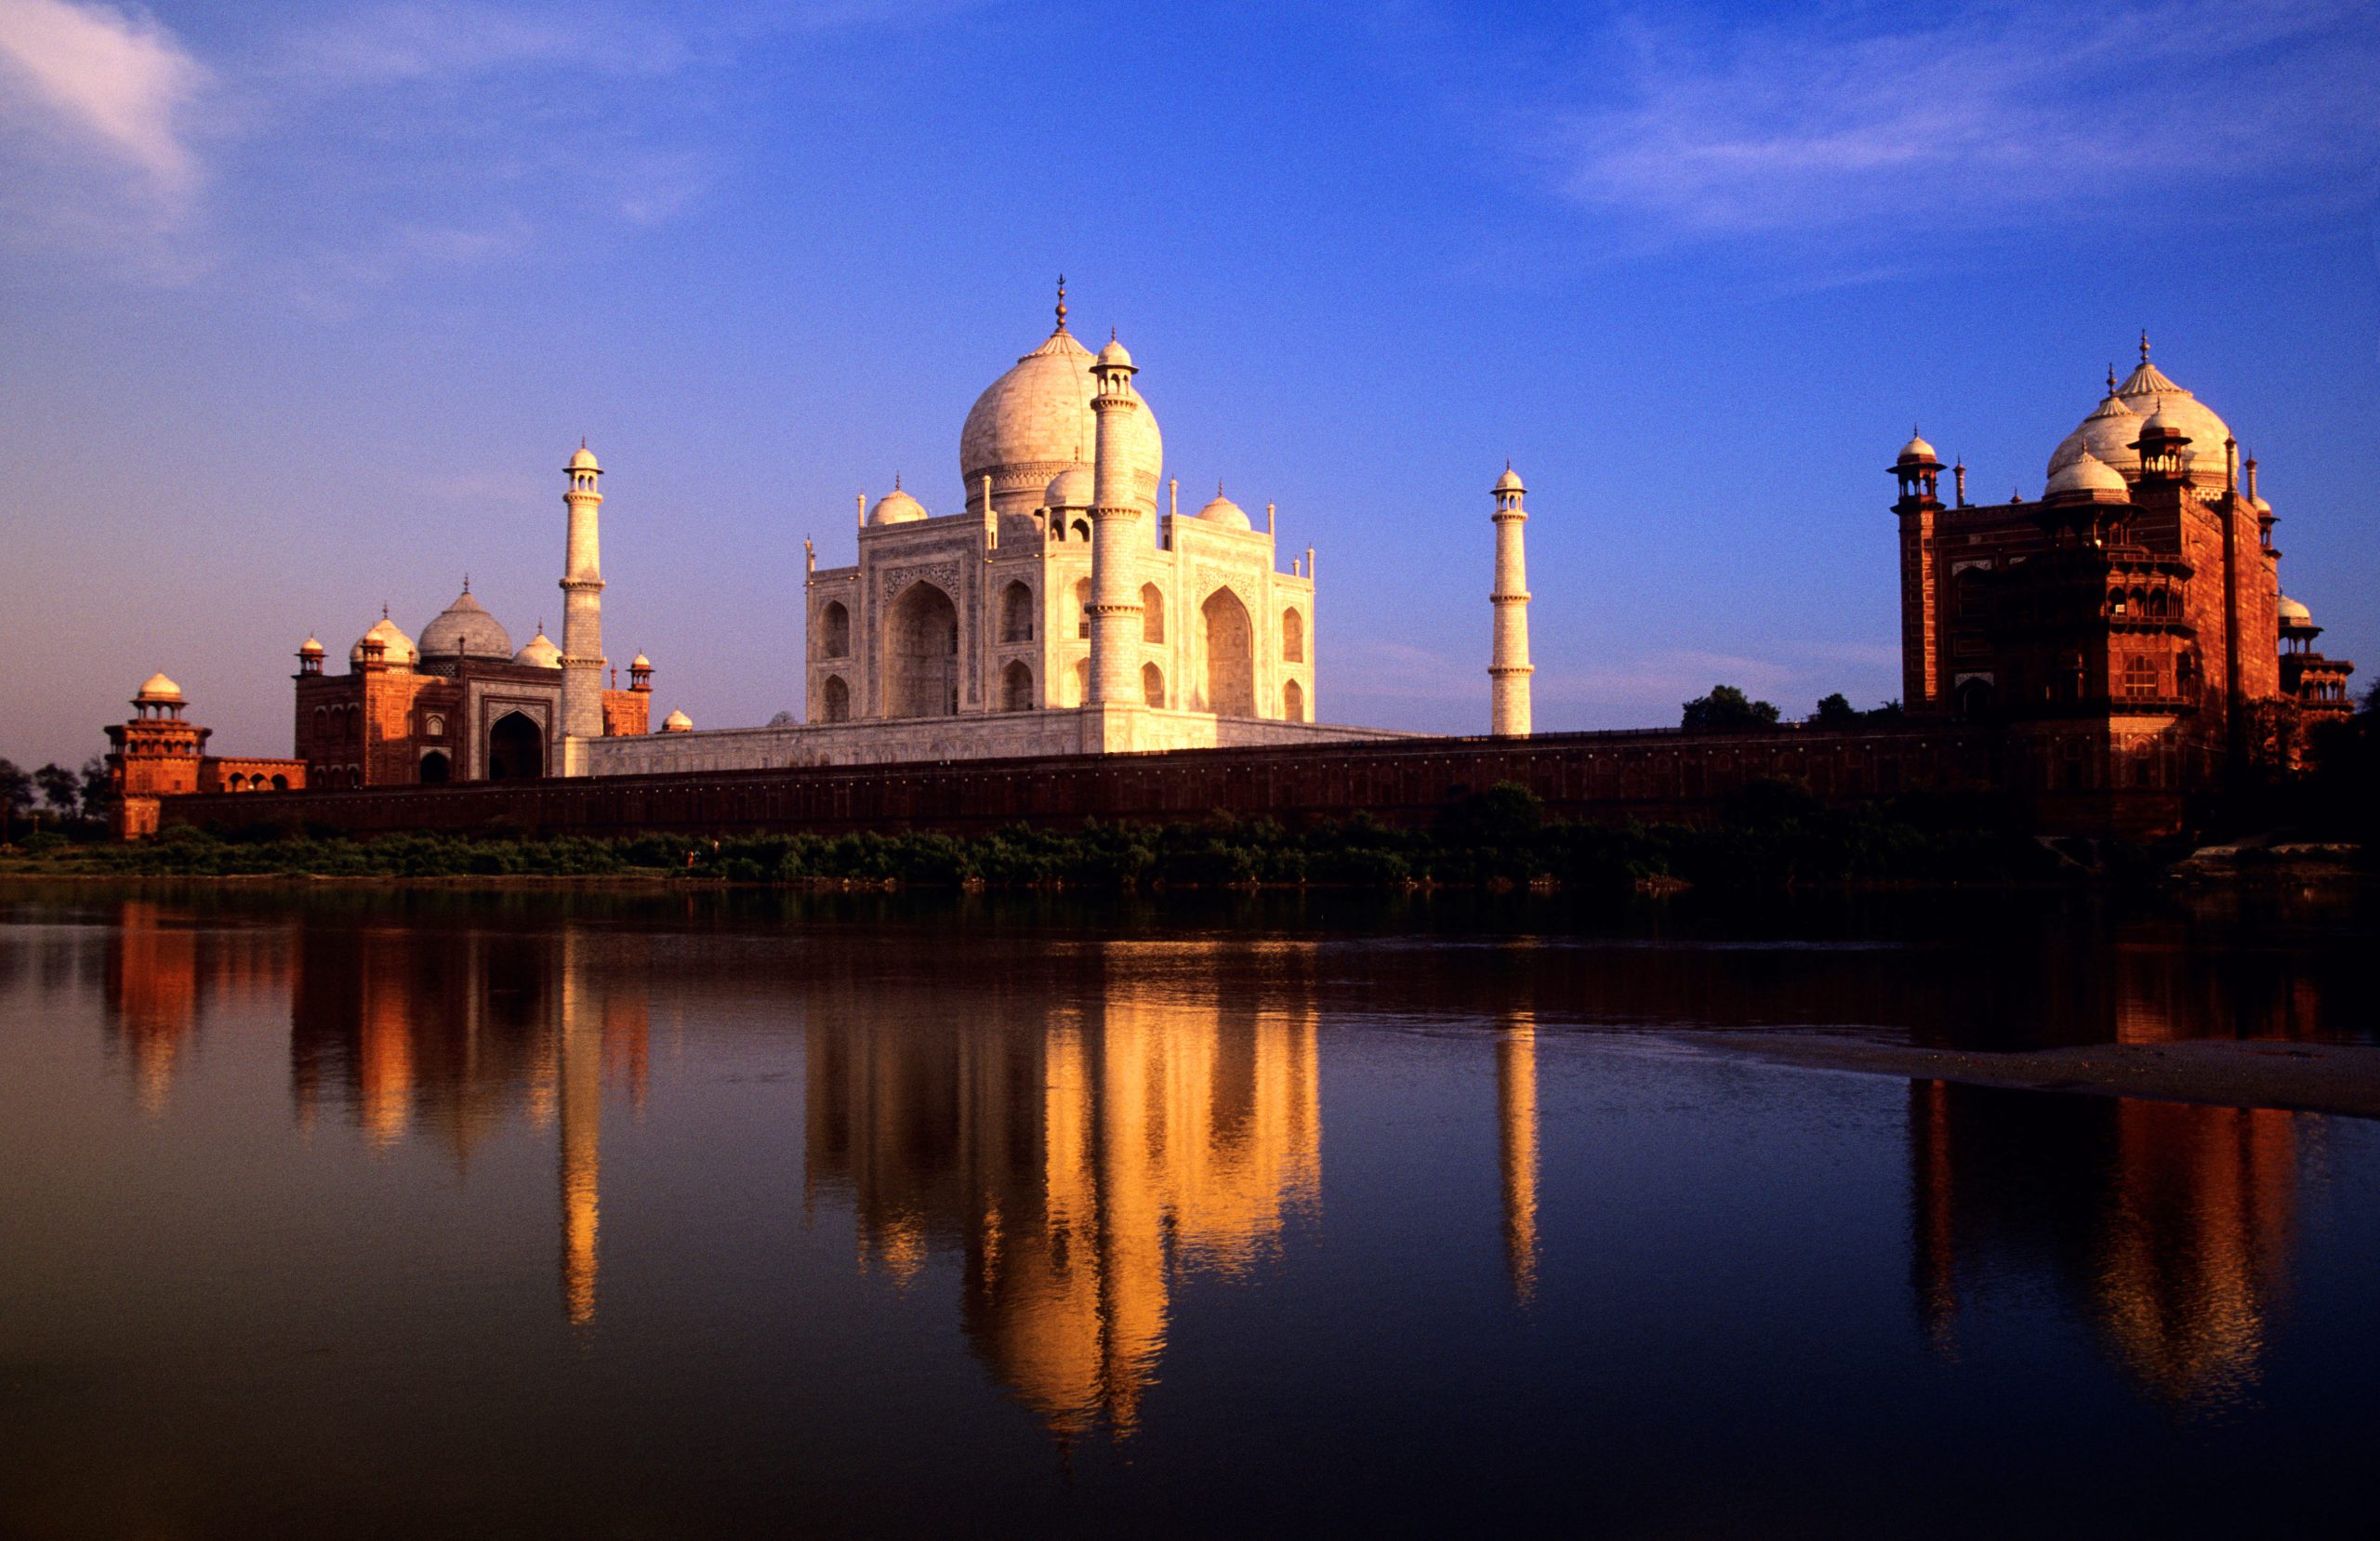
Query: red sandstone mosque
{"type": "Point", "coordinates": [2126, 631]}
{"type": "Point", "coordinates": [2102, 653]}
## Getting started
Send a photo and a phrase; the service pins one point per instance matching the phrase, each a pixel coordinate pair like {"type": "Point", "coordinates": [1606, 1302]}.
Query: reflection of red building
{"type": "Point", "coordinates": [424, 1032]}
{"type": "Point", "coordinates": [165, 974]}
{"type": "Point", "coordinates": [2166, 1224]}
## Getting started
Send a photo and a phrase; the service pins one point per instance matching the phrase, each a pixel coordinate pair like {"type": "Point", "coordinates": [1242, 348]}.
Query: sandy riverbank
{"type": "Point", "coordinates": [2306, 1077]}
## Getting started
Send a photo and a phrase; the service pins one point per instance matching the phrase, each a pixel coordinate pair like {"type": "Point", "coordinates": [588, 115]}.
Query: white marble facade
{"type": "Point", "coordinates": [980, 612]}
{"type": "Point", "coordinates": [963, 635]}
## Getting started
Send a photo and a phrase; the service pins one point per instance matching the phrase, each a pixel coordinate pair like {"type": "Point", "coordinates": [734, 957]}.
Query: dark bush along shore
{"type": "Point", "coordinates": [1776, 836]}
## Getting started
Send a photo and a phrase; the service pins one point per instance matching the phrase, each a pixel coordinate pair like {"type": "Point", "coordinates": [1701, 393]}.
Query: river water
{"type": "Point", "coordinates": [652, 1213]}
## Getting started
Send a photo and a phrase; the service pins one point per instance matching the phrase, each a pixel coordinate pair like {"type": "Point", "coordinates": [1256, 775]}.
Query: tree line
{"type": "Point", "coordinates": [54, 797]}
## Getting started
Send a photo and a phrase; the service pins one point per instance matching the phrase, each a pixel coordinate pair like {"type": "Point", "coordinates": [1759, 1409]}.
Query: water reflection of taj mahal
{"type": "Point", "coordinates": [1072, 1151]}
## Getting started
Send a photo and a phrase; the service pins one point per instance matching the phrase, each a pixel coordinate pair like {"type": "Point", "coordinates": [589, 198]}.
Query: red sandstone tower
{"type": "Point", "coordinates": [155, 755]}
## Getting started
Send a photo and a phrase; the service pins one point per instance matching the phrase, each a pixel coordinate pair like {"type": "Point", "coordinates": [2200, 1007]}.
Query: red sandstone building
{"type": "Point", "coordinates": [2123, 632]}
{"type": "Point", "coordinates": [160, 754]}
{"type": "Point", "coordinates": [459, 706]}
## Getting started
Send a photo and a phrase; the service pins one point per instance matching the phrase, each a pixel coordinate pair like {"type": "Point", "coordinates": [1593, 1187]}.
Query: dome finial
{"type": "Point", "coordinates": [2144, 345]}
{"type": "Point", "coordinates": [467, 582]}
{"type": "Point", "coordinates": [384, 610]}
{"type": "Point", "coordinates": [1061, 302]}
{"type": "Point", "coordinates": [2111, 379]}
{"type": "Point", "coordinates": [896, 482]}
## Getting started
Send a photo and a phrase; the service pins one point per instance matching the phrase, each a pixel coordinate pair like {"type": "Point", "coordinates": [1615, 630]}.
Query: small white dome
{"type": "Point", "coordinates": [897, 507]}
{"type": "Point", "coordinates": [540, 653]}
{"type": "Point", "coordinates": [158, 688]}
{"type": "Point", "coordinates": [310, 647]}
{"type": "Point", "coordinates": [1223, 511]}
{"type": "Point", "coordinates": [2291, 611]}
{"type": "Point", "coordinates": [639, 662]}
{"type": "Point", "coordinates": [396, 648]}
{"type": "Point", "coordinates": [1114, 353]}
{"type": "Point", "coordinates": [1918, 449]}
{"type": "Point", "coordinates": [2261, 506]}
{"type": "Point", "coordinates": [1511, 481]}
{"type": "Point", "coordinates": [676, 722]}
{"type": "Point", "coordinates": [2087, 474]}
{"type": "Point", "coordinates": [584, 460]}
{"type": "Point", "coordinates": [1072, 488]}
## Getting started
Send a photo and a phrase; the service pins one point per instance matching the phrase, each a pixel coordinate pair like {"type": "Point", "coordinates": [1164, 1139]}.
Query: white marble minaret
{"type": "Point", "coordinates": [1115, 528]}
{"type": "Point", "coordinates": [582, 605]}
{"type": "Point", "coordinates": [1508, 668]}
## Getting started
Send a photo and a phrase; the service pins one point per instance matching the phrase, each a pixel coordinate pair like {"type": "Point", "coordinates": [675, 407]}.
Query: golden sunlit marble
{"type": "Point", "coordinates": [1516, 1146]}
{"type": "Point", "coordinates": [1079, 1161]}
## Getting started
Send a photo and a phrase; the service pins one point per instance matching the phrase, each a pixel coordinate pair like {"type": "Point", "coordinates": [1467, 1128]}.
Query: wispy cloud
{"type": "Point", "coordinates": [113, 80]}
{"type": "Point", "coordinates": [351, 143]}
{"type": "Point", "coordinates": [445, 40]}
{"type": "Point", "coordinates": [96, 155]}
{"type": "Point", "coordinates": [1861, 122]}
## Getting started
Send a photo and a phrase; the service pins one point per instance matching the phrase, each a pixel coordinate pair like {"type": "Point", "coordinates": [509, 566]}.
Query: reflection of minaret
{"type": "Point", "coordinates": [1516, 1142]}
{"type": "Point", "coordinates": [580, 1074]}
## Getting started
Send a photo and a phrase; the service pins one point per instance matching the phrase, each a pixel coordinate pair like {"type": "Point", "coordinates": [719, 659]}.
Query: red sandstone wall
{"type": "Point", "coordinates": [1643, 776]}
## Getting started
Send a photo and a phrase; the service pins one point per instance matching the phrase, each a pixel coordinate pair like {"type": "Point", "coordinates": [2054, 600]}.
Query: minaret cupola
{"type": "Point", "coordinates": [1919, 472]}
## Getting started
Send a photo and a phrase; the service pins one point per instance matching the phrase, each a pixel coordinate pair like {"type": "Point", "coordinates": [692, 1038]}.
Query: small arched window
{"type": "Point", "coordinates": [1017, 687]}
{"type": "Point", "coordinates": [1152, 685]}
{"type": "Point", "coordinates": [1292, 702]}
{"type": "Point", "coordinates": [1292, 637]}
{"type": "Point", "coordinates": [1083, 681]}
{"type": "Point", "coordinates": [833, 700]}
{"type": "Point", "coordinates": [834, 630]}
{"type": "Point", "coordinates": [434, 725]}
{"type": "Point", "coordinates": [1016, 614]}
{"type": "Point", "coordinates": [1152, 617]}
{"type": "Point", "coordinates": [280, 783]}
{"type": "Point", "coordinates": [1082, 606]}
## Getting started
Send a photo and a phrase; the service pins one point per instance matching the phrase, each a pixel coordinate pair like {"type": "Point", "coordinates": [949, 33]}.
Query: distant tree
{"type": "Point", "coordinates": [1726, 708]}
{"type": "Point", "coordinates": [60, 788]}
{"type": "Point", "coordinates": [16, 794]}
{"type": "Point", "coordinates": [1835, 711]}
{"type": "Point", "coordinates": [784, 719]}
{"type": "Point", "coordinates": [98, 789]}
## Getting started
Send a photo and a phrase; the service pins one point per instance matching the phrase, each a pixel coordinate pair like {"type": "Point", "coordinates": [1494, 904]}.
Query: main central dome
{"type": "Point", "coordinates": [2109, 432]}
{"type": "Point", "coordinates": [1035, 421]}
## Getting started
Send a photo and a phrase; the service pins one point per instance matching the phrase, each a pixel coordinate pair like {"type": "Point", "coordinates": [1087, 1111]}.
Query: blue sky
{"type": "Point", "coordinates": [301, 308]}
